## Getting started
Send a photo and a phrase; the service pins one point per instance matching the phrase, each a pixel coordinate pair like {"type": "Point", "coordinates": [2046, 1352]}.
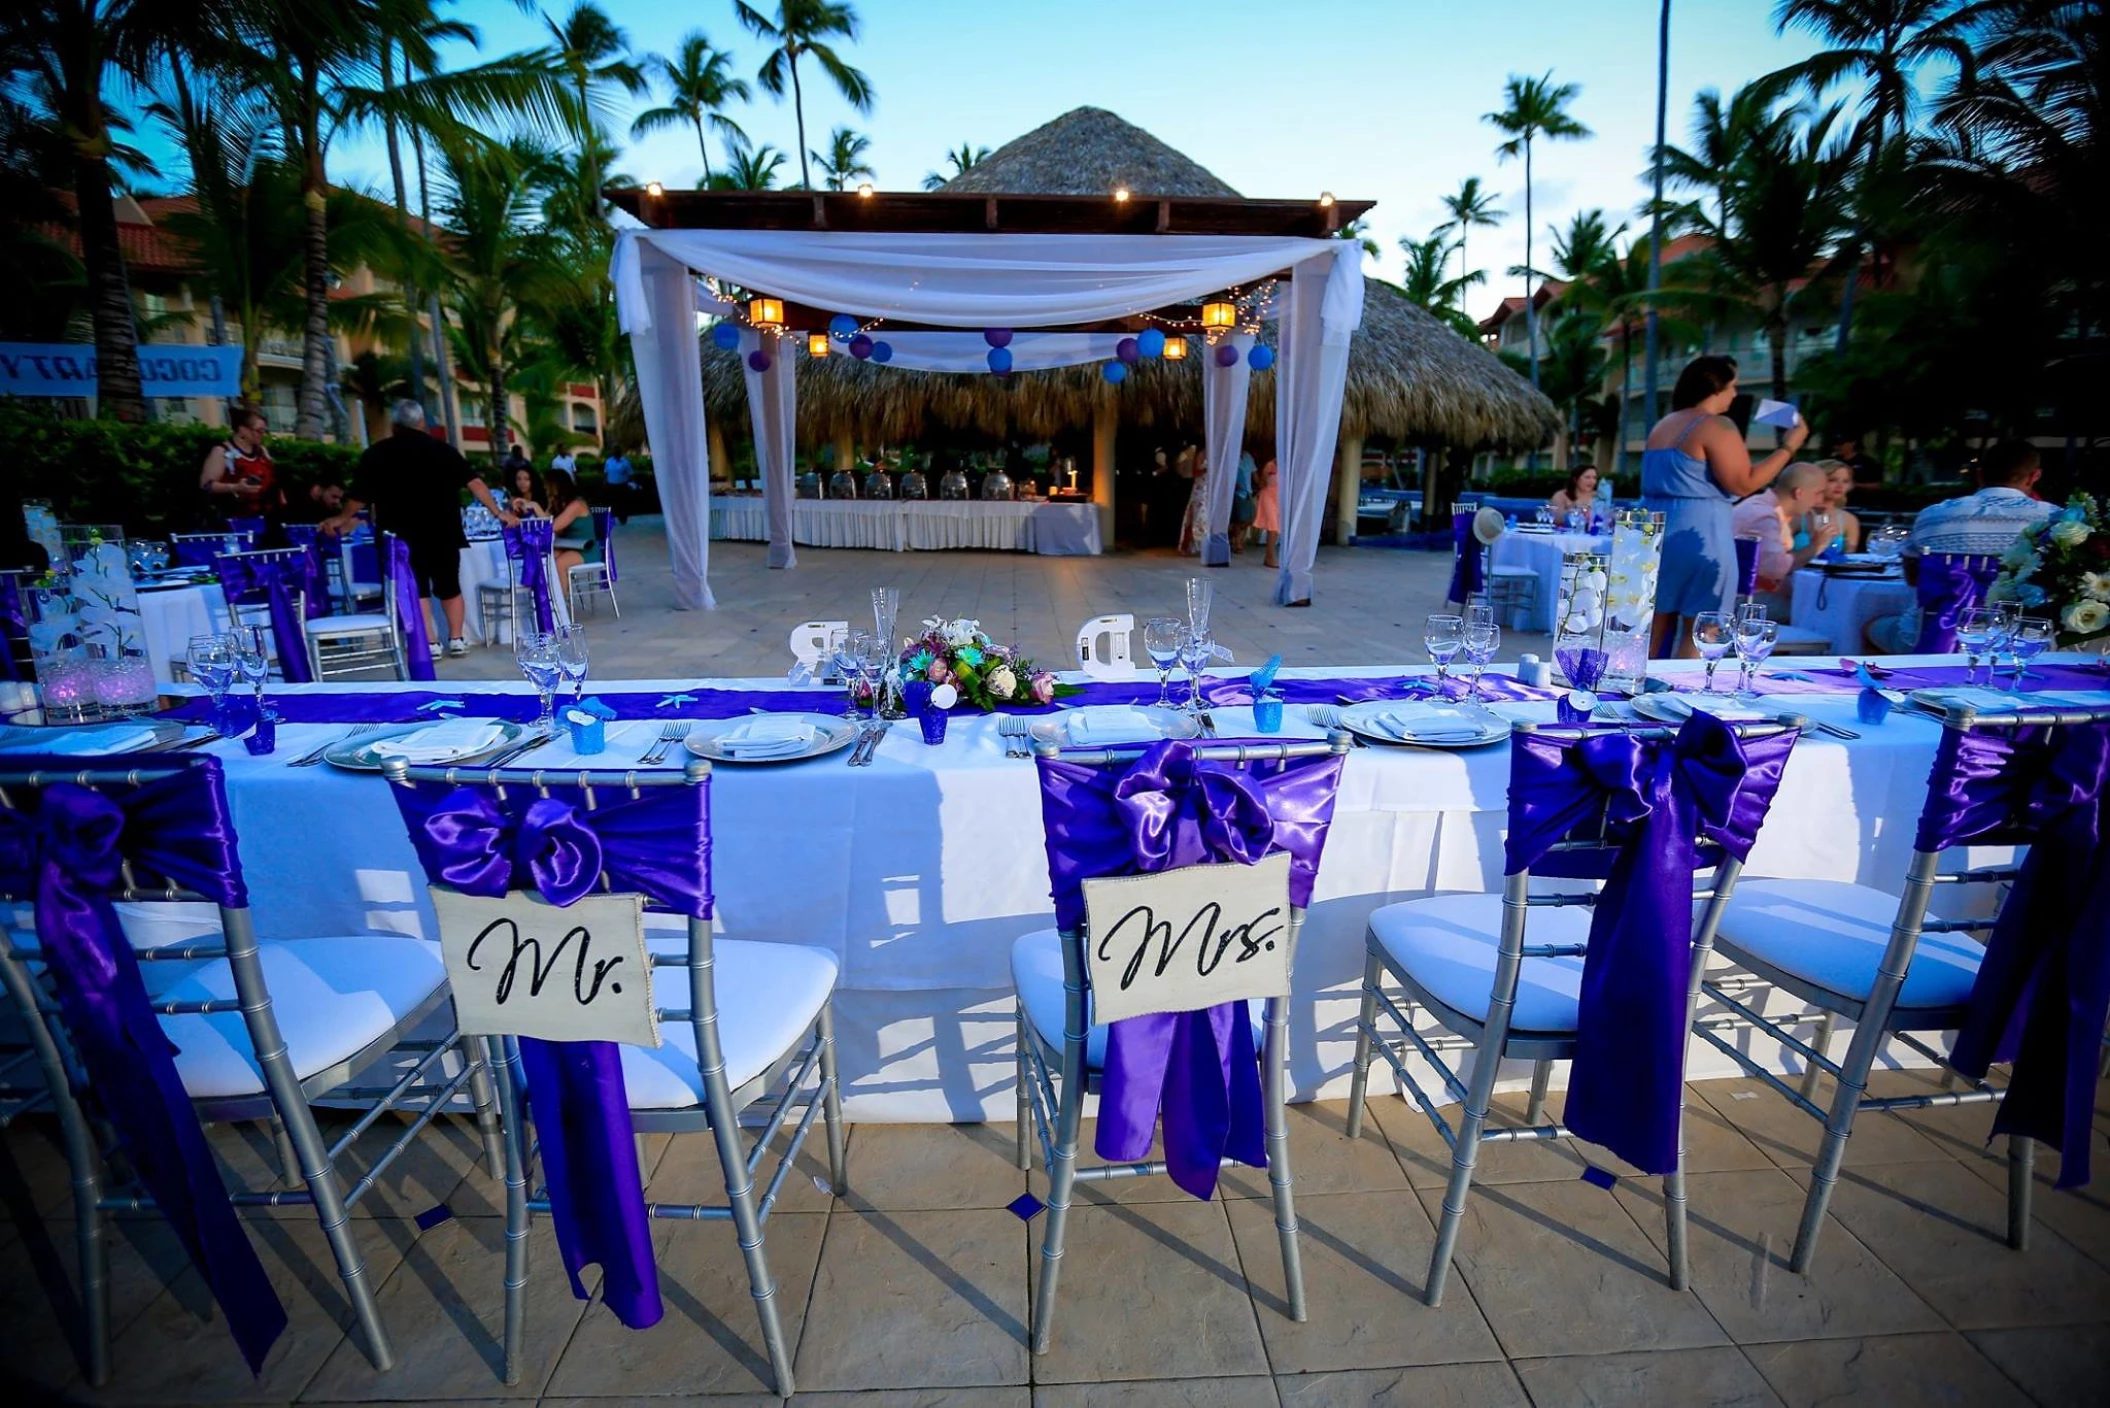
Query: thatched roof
{"type": "Point", "coordinates": [1086, 152]}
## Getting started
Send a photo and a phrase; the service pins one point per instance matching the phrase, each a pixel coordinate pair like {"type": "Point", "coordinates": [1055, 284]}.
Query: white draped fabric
{"type": "Point", "coordinates": [981, 281]}
{"type": "Point", "coordinates": [773, 407]}
{"type": "Point", "coordinates": [1223, 421]}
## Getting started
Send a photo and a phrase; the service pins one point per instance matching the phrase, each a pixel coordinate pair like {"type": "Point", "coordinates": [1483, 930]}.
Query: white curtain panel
{"type": "Point", "coordinates": [1310, 375]}
{"type": "Point", "coordinates": [670, 385]}
{"type": "Point", "coordinates": [1223, 420]}
{"type": "Point", "coordinates": [773, 406]}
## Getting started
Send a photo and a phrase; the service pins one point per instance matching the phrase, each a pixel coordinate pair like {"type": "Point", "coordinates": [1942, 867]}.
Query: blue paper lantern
{"type": "Point", "coordinates": [1261, 357]}
{"type": "Point", "coordinates": [1000, 360]}
{"type": "Point", "coordinates": [860, 347]}
{"type": "Point", "coordinates": [842, 327]}
{"type": "Point", "coordinates": [882, 352]}
{"type": "Point", "coordinates": [758, 359]}
{"type": "Point", "coordinates": [1150, 342]}
{"type": "Point", "coordinates": [997, 337]}
{"type": "Point", "coordinates": [1114, 372]}
{"type": "Point", "coordinates": [725, 335]}
{"type": "Point", "coordinates": [1127, 350]}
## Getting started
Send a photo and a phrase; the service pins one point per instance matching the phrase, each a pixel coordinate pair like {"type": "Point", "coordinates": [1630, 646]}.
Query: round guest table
{"type": "Point", "coordinates": [1051, 529]}
{"type": "Point", "coordinates": [1840, 608]}
{"type": "Point", "coordinates": [920, 870]}
{"type": "Point", "coordinates": [1542, 553]}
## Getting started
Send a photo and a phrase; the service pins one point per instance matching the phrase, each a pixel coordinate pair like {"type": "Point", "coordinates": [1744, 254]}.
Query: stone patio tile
{"type": "Point", "coordinates": [688, 1170]}
{"type": "Point", "coordinates": [1161, 1393]}
{"type": "Point", "coordinates": [985, 1397]}
{"type": "Point", "coordinates": [1740, 1235]}
{"type": "Point", "coordinates": [1322, 1160]}
{"type": "Point", "coordinates": [178, 1350]}
{"type": "Point", "coordinates": [1943, 1230]}
{"type": "Point", "coordinates": [1672, 1378]}
{"type": "Point", "coordinates": [1428, 1386]}
{"type": "Point", "coordinates": [711, 1339]}
{"type": "Point", "coordinates": [42, 1324]}
{"type": "Point", "coordinates": [444, 1308]}
{"type": "Point", "coordinates": [34, 1178]}
{"type": "Point", "coordinates": [2064, 1365]}
{"type": "Point", "coordinates": [911, 1167]}
{"type": "Point", "coordinates": [1149, 1291]}
{"type": "Point", "coordinates": [1792, 1139]}
{"type": "Point", "coordinates": [1560, 1268]}
{"type": "Point", "coordinates": [917, 1300]}
{"type": "Point", "coordinates": [1366, 1257]}
{"type": "Point", "coordinates": [444, 1164]}
{"type": "Point", "coordinates": [1915, 1369]}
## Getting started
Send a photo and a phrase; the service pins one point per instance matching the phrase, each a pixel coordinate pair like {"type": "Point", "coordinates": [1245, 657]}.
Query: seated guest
{"type": "Point", "coordinates": [1770, 515]}
{"type": "Point", "coordinates": [1839, 482]}
{"type": "Point", "coordinates": [323, 498]}
{"type": "Point", "coordinates": [1865, 470]}
{"type": "Point", "coordinates": [521, 493]}
{"type": "Point", "coordinates": [1981, 524]}
{"type": "Point", "coordinates": [1579, 497]}
{"type": "Point", "coordinates": [568, 510]}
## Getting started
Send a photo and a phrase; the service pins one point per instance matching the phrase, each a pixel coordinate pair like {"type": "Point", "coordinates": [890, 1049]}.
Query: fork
{"type": "Point", "coordinates": [669, 735]}
{"type": "Point", "coordinates": [310, 759]}
{"type": "Point", "coordinates": [1011, 727]}
{"type": "Point", "coordinates": [1327, 717]}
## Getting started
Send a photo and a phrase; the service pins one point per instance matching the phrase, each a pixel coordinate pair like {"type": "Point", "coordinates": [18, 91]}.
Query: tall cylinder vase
{"type": "Point", "coordinates": [1630, 597]}
{"type": "Point", "coordinates": [1579, 620]}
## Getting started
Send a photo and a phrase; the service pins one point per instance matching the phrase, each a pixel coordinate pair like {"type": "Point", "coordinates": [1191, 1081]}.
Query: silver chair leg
{"type": "Point", "coordinates": [2021, 1173]}
{"type": "Point", "coordinates": [483, 1098]}
{"type": "Point", "coordinates": [516, 1181]}
{"type": "Point", "coordinates": [1365, 1030]}
{"type": "Point", "coordinates": [1823, 1042]}
{"type": "Point", "coordinates": [747, 1220]}
{"type": "Point", "coordinates": [1024, 1158]}
{"type": "Point", "coordinates": [1674, 1212]}
{"type": "Point", "coordinates": [1541, 1077]}
{"type": "Point", "coordinates": [1061, 1179]}
{"type": "Point", "coordinates": [832, 1104]}
{"type": "Point", "coordinates": [1275, 1060]}
{"type": "Point", "coordinates": [1486, 1059]}
{"type": "Point", "coordinates": [1838, 1128]}
{"type": "Point", "coordinates": [288, 1160]}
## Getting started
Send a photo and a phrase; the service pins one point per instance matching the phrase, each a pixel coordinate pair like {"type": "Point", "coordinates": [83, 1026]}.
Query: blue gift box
{"type": "Point", "coordinates": [588, 722]}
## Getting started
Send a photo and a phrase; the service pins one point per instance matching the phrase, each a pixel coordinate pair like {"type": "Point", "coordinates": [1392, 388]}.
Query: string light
{"type": "Point", "coordinates": [1326, 200]}
{"type": "Point", "coordinates": [1121, 195]}
{"type": "Point", "coordinates": [654, 188]}
{"type": "Point", "coordinates": [864, 189]}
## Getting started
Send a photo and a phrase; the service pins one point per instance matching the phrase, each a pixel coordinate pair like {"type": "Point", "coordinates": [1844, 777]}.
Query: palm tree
{"type": "Point", "coordinates": [1536, 108]}
{"type": "Point", "coordinates": [754, 170]}
{"type": "Point", "coordinates": [962, 161]}
{"type": "Point", "coordinates": [1429, 283]}
{"type": "Point", "coordinates": [595, 55]}
{"type": "Point", "coordinates": [804, 27]}
{"type": "Point", "coordinates": [699, 86]}
{"type": "Point", "coordinates": [844, 161]}
{"type": "Point", "coordinates": [496, 259]}
{"type": "Point", "coordinates": [1471, 206]}
{"type": "Point", "coordinates": [1878, 44]}
{"type": "Point", "coordinates": [1358, 230]}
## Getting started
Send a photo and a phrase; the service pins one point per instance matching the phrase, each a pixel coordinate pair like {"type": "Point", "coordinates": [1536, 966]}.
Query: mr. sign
{"type": "Point", "coordinates": [1179, 940]}
{"type": "Point", "coordinates": [521, 966]}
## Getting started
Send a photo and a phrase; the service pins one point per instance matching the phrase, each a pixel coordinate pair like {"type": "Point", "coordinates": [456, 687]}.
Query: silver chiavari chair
{"type": "Point", "coordinates": [1504, 973]}
{"type": "Point", "coordinates": [262, 1030]}
{"type": "Point", "coordinates": [1061, 1051]}
{"type": "Point", "coordinates": [773, 1030]}
{"type": "Point", "coordinates": [1887, 964]}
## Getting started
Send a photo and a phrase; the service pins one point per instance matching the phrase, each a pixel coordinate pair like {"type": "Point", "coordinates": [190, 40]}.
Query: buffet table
{"type": "Point", "coordinates": [1542, 553]}
{"type": "Point", "coordinates": [918, 525]}
{"type": "Point", "coordinates": [1840, 608]}
{"type": "Point", "coordinates": [920, 870]}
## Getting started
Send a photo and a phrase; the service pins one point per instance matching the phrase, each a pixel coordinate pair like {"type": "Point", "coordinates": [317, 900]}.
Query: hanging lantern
{"type": "Point", "coordinates": [1175, 349]}
{"type": "Point", "coordinates": [817, 344]}
{"type": "Point", "coordinates": [1219, 316]}
{"type": "Point", "coordinates": [766, 312]}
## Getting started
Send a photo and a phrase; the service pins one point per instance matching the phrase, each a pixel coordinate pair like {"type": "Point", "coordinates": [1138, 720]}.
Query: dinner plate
{"type": "Point", "coordinates": [833, 733]}
{"type": "Point", "coordinates": [1363, 719]}
{"type": "Point", "coordinates": [357, 754]}
{"type": "Point", "coordinates": [21, 740]}
{"type": "Point", "coordinates": [1154, 724]}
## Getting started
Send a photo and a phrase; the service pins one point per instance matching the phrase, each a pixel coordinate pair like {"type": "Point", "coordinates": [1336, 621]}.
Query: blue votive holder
{"type": "Point", "coordinates": [587, 722]}
{"type": "Point", "coordinates": [933, 724]}
{"type": "Point", "coordinates": [263, 738]}
{"type": "Point", "coordinates": [1267, 713]}
{"type": "Point", "coordinates": [915, 697]}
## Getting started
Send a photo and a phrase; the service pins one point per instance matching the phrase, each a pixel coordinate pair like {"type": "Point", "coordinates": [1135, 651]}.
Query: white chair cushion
{"type": "Point", "coordinates": [1513, 571]}
{"type": "Point", "coordinates": [1448, 943]}
{"type": "Point", "coordinates": [348, 625]}
{"type": "Point", "coordinates": [1832, 934]}
{"type": "Point", "coordinates": [769, 995]}
{"type": "Point", "coordinates": [1036, 972]}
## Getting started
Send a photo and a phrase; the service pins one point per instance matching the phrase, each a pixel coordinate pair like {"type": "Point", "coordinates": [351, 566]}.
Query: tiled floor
{"type": "Point", "coordinates": [915, 1288]}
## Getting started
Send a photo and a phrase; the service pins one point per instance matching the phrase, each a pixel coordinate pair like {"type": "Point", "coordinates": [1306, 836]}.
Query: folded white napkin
{"type": "Point", "coordinates": [1428, 725]}
{"type": "Point", "coordinates": [765, 736]}
{"type": "Point", "coordinates": [439, 743]}
{"type": "Point", "coordinates": [78, 742]}
{"type": "Point", "coordinates": [1683, 706]}
{"type": "Point", "coordinates": [1111, 723]}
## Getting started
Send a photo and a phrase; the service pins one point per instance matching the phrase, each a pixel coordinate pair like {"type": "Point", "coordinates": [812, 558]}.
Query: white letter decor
{"type": "Point", "coordinates": [1181, 940]}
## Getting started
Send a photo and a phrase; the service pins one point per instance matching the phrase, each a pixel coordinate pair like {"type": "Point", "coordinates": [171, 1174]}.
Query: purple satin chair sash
{"type": "Point", "coordinates": [604, 534]}
{"type": "Point", "coordinates": [200, 551]}
{"type": "Point", "coordinates": [2043, 985]}
{"type": "Point", "coordinates": [1950, 584]}
{"type": "Point", "coordinates": [271, 580]}
{"type": "Point", "coordinates": [1197, 1071]}
{"type": "Point", "coordinates": [657, 845]}
{"type": "Point", "coordinates": [1465, 558]}
{"type": "Point", "coordinates": [315, 578]}
{"type": "Point", "coordinates": [528, 544]}
{"type": "Point", "coordinates": [67, 853]}
{"type": "Point", "coordinates": [410, 608]}
{"type": "Point", "coordinates": [14, 623]}
{"type": "Point", "coordinates": [1660, 797]}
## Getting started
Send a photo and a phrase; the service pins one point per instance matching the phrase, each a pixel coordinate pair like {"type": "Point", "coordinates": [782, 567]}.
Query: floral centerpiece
{"type": "Point", "coordinates": [989, 676]}
{"type": "Point", "coordinates": [2063, 564]}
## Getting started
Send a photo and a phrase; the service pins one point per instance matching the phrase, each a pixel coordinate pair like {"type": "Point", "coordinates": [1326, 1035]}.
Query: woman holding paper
{"type": "Point", "coordinates": [1694, 468]}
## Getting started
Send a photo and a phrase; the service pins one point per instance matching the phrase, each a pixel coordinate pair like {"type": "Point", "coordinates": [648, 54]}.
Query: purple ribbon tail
{"type": "Point", "coordinates": [289, 631]}
{"type": "Point", "coordinates": [589, 1157]}
{"type": "Point", "coordinates": [1465, 562]}
{"type": "Point", "coordinates": [1197, 1072]}
{"type": "Point", "coordinates": [410, 611]}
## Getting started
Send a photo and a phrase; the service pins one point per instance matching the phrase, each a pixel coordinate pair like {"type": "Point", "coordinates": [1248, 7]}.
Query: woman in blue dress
{"type": "Point", "coordinates": [1695, 466]}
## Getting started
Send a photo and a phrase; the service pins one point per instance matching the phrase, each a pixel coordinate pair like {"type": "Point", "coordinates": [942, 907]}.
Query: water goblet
{"type": "Point", "coordinates": [874, 654]}
{"type": "Point", "coordinates": [1196, 648]}
{"type": "Point", "coordinates": [843, 653]}
{"type": "Point", "coordinates": [211, 661]}
{"type": "Point", "coordinates": [1483, 639]}
{"type": "Point", "coordinates": [1979, 632]}
{"type": "Point", "coordinates": [2030, 637]}
{"type": "Point", "coordinates": [1443, 636]}
{"type": "Point", "coordinates": [1713, 635]}
{"type": "Point", "coordinates": [1755, 639]}
{"type": "Point", "coordinates": [1161, 641]}
{"type": "Point", "coordinates": [536, 653]}
{"type": "Point", "coordinates": [252, 659]}
{"type": "Point", "coordinates": [572, 658]}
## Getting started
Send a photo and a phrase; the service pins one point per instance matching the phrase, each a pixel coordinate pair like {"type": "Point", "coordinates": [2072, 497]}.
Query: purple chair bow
{"type": "Point", "coordinates": [66, 848]}
{"type": "Point", "coordinates": [269, 579]}
{"type": "Point", "coordinates": [410, 608]}
{"type": "Point", "coordinates": [1950, 584]}
{"type": "Point", "coordinates": [2043, 985]}
{"type": "Point", "coordinates": [1467, 572]}
{"type": "Point", "coordinates": [528, 543]}
{"type": "Point", "coordinates": [314, 578]}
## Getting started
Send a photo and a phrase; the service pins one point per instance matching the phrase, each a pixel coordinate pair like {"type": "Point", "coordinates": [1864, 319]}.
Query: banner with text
{"type": "Point", "coordinates": [165, 369]}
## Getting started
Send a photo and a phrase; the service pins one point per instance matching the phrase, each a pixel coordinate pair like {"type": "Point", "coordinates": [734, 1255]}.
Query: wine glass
{"type": "Point", "coordinates": [1713, 635]}
{"type": "Point", "coordinates": [252, 659]}
{"type": "Point", "coordinates": [1482, 640]}
{"type": "Point", "coordinates": [538, 656]}
{"type": "Point", "coordinates": [572, 658]}
{"type": "Point", "coordinates": [843, 651]}
{"type": "Point", "coordinates": [1196, 648]}
{"type": "Point", "coordinates": [2030, 637]}
{"type": "Point", "coordinates": [1199, 595]}
{"type": "Point", "coordinates": [1979, 633]}
{"type": "Point", "coordinates": [874, 653]}
{"type": "Point", "coordinates": [1443, 636]}
{"type": "Point", "coordinates": [1755, 639]}
{"type": "Point", "coordinates": [211, 661]}
{"type": "Point", "coordinates": [1161, 641]}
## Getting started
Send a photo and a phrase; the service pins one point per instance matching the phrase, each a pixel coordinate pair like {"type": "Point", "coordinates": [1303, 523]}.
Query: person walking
{"type": "Point", "coordinates": [620, 476]}
{"type": "Point", "coordinates": [1267, 513]}
{"type": "Point", "coordinates": [413, 483]}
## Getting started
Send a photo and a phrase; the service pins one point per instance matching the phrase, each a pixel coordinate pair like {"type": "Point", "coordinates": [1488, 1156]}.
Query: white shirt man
{"type": "Point", "coordinates": [1983, 524]}
{"type": "Point", "coordinates": [565, 461]}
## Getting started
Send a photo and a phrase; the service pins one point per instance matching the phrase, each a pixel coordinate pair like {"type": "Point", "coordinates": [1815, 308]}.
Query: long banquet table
{"type": "Point", "coordinates": [919, 871]}
{"type": "Point", "coordinates": [918, 525]}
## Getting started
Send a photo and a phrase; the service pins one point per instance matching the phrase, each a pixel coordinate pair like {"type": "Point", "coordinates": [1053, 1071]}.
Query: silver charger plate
{"type": "Point", "coordinates": [357, 754]}
{"type": "Point", "coordinates": [1165, 723]}
{"type": "Point", "coordinates": [22, 740]}
{"type": "Point", "coordinates": [1361, 719]}
{"type": "Point", "coordinates": [833, 733]}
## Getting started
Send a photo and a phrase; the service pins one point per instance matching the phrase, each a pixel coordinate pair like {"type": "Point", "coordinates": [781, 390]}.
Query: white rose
{"type": "Point", "coordinates": [2096, 584]}
{"type": "Point", "coordinates": [2086, 617]}
{"type": "Point", "coordinates": [1002, 683]}
{"type": "Point", "coordinates": [2069, 534]}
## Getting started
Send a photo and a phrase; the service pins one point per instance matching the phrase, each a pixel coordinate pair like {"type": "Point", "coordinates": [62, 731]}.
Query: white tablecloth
{"type": "Point", "coordinates": [1542, 553]}
{"type": "Point", "coordinates": [918, 525]}
{"type": "Point", "coordinates": [1840, 608]}
{"type": "Point", "coordinates": [918, 872]}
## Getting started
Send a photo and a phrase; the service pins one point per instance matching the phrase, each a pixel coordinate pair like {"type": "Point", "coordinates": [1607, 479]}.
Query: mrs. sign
{"type": "Point", "coordinates": [1181, 940]}
{"type": "Point", "coordinates": [521, 966]}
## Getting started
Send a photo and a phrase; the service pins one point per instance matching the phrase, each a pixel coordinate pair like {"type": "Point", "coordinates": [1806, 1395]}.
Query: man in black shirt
{"type": "Point", "coordinates": [413, 483]}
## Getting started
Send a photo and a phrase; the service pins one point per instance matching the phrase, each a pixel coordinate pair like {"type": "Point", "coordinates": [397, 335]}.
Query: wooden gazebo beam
{"type": "Point", "coordinates": [941, 212]}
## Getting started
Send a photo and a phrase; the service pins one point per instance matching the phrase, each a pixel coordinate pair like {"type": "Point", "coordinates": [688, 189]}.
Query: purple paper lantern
{"type": "Point", "coordinates": [1127, 350]}
{"type": "Point", "coordinates": [1261, 357]}
{"type": "Point", "coordinates": [758, 360]}
{"type": "Point", "coordinates": [1114, 372]}
{"type": "Point", "coordinates": [997, 337]}
{"type": "Point", "coordinates": [882, 352]}
{"type": "Point", "coordinates": [1000, 360]}
{"type": "Point", "coordinates": [1227, 356]}
{"type": "Point", "coordinates": [860, 347]}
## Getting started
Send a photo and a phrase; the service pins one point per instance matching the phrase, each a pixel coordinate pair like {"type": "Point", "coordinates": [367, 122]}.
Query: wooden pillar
{"type": "Point", "coordinates": [1348, 487]}
{"type": "Point", "coordinates": [1106, 421]}
{"type": "Point", "coordinates": [721, 462]}
{"type": "Point", "coordinates": [845, 447]}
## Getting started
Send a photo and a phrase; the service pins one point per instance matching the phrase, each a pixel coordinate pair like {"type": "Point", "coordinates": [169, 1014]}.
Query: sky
{"type": "Point", "coordinates": [1371, 99]}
